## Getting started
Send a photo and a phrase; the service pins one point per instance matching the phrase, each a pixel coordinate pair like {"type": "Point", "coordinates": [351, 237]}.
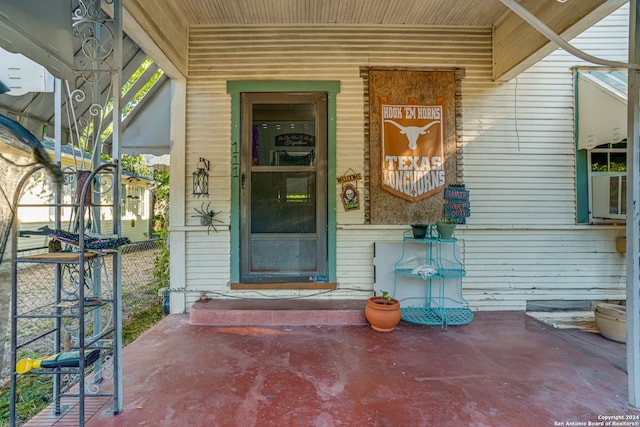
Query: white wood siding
{"type": "Point", "coordinates": [521, 241]}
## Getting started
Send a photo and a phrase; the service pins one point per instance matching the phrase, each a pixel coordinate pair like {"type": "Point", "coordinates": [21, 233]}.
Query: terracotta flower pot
{"type": "Point", "coordinates": [383, 317]}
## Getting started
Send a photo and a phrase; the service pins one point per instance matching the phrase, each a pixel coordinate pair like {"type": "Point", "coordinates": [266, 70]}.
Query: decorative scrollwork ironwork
{"type": "Point", "coordinates": [95, 32]}
{"type": "Point", "coordinates": [104, 372]}
{"type": "Point", "coordinates": [94, 38]}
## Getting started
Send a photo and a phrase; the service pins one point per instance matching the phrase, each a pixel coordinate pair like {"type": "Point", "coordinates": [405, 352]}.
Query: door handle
{"type": "Point", "coordinates": [242, 183]}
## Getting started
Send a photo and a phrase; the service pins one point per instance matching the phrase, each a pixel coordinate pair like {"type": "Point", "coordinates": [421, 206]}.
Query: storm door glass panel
{"type": "Point", "coordinates": [283, 212]}
{"type": "Point", "coordinates": [283, 202]}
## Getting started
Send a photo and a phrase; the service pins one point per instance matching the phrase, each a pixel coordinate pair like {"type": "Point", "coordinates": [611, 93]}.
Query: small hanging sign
{"type": "Point", "coordinates": [456, 192]}
{"type": "Point", "coordinates": [458, 207]}
{"type": "Point", "coordinates": [350, 197]}
{"type": "Point", "coordinates": [350, 194]}
{"type": "Point", "coordinates": [295, 140]}
{"type": "Point", "coordinates": [350, 177]}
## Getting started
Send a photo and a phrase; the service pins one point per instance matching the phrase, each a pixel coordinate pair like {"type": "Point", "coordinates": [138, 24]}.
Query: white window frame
{"type": "Point", "coordinates": [609, 218]}
{"type": "Point", "coordinates": [134, 201]}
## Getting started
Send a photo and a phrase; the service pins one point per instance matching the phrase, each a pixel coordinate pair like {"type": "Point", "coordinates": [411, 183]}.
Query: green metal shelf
{"type": "Point", "coordinates": [437, 316]}
{"type": "Point", "coordinates": [448, 273]}
{"type": "Point", "coordinates": [435, 307]}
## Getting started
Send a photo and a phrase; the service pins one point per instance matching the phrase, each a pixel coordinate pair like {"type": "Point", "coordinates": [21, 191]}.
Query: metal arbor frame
{"type": "Point", "coordinates": [98, 40]}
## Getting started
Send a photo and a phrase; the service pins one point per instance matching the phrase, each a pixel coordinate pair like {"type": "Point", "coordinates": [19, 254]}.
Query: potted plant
{"type": "Point", "coordinates": [383, 312]}
{"type": "Point", "coordinates": [446, 227]}
{"type": "Point", "coordinates": [418, 224]}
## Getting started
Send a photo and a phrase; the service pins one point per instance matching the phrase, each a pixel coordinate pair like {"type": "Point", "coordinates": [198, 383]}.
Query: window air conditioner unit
{"type": "Point", "coordinates": [609, 196]}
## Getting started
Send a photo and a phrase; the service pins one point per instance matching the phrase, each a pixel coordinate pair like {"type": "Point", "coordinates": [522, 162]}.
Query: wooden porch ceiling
{"type": "Point", "coordinates": [516, 44]}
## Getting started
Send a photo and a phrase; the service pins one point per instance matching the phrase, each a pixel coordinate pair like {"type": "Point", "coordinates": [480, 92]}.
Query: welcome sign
{"type": "Point", "coordinates": [413, 159]}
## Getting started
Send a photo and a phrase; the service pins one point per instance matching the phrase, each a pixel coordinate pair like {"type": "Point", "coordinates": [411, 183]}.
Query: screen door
{"type": "Point", "coordinates": [283, 181]}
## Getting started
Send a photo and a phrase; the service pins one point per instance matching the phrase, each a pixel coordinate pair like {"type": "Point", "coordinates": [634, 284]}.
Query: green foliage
{"type": "Point", "coordinates": [137, 97]}
{"type": "Point", "coordinates": [162, 192]}
{"type": "Point", "coordinates": [34, 392]}
{"type": "Point", "coordinates": [135, 76]}
{"type": "Point", "coordinates": [446, 218]}
{"type": "Point", "coordinates": [609, 157]}
{"type": "Point", "coordinates": [140, 322]}
{"type": "Point", "coordinates": [135, 165]}
{"type": "Point", "coordinates": [160, 227]}
{"type": "Point", "coordinates": [611, 167]}
{"type": "Point", "coordinates": [385, 297]}
{"type": "Point", "coordinates": [161, 264]}
{"type": "Point", "coordinates": [140, 94]}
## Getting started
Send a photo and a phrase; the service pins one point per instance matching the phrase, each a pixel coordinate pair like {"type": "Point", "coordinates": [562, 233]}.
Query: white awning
{"type": "Point", "coordinates": [602, 107]}
{"type": "Point", "coordinates": [22, 75]}
{"type": "Point", "coordinates": [40, 30]}
{"type": "Point", "coordinates": [148, 132]}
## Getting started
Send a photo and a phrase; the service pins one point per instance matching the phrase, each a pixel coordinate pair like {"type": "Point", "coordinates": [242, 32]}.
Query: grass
{"type": "Point", "coordinates": [33, 395]}
{"type": "Point", "coordinates": [140, 322]}
{"type": "Point", "coordinates": [34, 391]}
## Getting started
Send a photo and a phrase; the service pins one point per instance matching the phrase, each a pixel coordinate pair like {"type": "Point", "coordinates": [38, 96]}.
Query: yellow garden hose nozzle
{"type": "Point", "coordinates": [69, 359]}
{"type": "Point", "coordinates": [25, 365]}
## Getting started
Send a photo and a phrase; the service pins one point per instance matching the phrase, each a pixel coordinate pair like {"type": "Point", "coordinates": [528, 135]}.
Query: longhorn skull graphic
{"type": "Point", "coordinates": [412, 132]}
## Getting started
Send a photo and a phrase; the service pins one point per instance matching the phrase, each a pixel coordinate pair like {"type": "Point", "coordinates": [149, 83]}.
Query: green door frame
{"type": "Point", "coordinates": [235, 88]}
{"type": "Point", "coordinates": [582, 170]}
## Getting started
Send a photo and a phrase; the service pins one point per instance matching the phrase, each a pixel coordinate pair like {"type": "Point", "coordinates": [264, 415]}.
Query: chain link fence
{"type": "Point", "coordinates": [36, 290]}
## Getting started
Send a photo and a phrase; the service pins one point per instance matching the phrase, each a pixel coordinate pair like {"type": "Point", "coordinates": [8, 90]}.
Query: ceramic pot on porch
{"type": "Point", "coordinates": [419, 230]}
{"type": "Point", "coordinates": [383, 313]}
{"type": "Point", "coordinates": [446, 229]}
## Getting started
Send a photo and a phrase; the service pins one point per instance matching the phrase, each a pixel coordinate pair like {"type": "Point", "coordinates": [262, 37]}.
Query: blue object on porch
{"type": "Point", "coordinates": [4, 88]}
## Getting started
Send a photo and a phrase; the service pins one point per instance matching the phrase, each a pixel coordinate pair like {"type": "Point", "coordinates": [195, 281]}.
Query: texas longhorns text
{"type": "Point", "coordinates": [412, 158]}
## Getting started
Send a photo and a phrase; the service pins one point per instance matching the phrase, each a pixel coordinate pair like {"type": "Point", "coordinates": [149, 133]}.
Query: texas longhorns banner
{"type": "Point", "coordinates": [413, 158]}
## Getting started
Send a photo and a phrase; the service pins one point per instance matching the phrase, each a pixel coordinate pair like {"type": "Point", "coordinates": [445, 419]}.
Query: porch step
{"type": "Point", "coordinates": [226, 312]}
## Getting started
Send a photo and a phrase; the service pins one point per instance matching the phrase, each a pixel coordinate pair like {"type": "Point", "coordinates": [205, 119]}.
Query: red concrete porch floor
{"type": "Point", "coordinates": [502, 369]}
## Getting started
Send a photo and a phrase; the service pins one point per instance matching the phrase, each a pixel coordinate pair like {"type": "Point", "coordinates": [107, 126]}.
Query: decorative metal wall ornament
{"type": "Point", "coordinates": [201, 178]}
{"type": "Point", "coordinates": [207, 217]}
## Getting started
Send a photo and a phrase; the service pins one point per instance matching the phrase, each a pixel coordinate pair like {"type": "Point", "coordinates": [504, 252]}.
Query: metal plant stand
{"type": "Point", "coordinates": [439, 266]}
{"type": "Point", "coordinates": [82, 309]}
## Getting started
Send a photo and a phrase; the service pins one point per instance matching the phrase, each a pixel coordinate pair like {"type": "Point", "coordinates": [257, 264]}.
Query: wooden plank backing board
{"type": "Point", "coordinates": [59, 256]}
{"type": "Point", "coordinates": [402, 87]}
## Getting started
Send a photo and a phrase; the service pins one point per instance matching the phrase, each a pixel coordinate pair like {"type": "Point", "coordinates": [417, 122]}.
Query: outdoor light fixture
{"type": "Point", "coordinates": [201, 178]}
